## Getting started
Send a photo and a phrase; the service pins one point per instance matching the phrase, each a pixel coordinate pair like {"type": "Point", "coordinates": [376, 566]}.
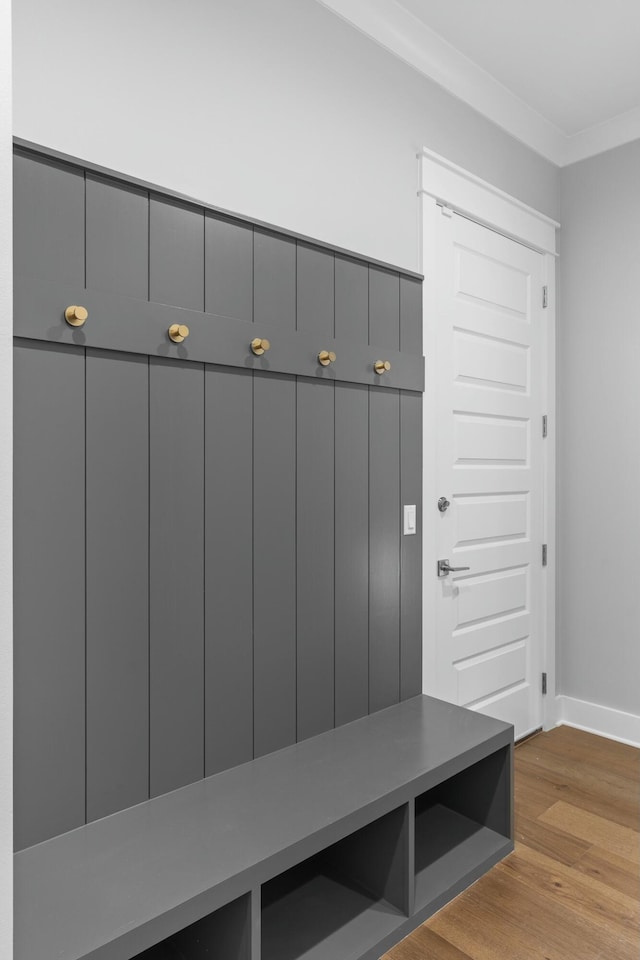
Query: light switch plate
{"type": "Point", "coordinates": [409, 519]}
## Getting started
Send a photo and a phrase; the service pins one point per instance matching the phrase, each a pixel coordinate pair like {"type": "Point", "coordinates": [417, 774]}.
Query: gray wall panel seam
{"type": "Point", "coordinates": [204, 545]}
{"type": "Point", "coordinates": [295, 525]}
{"type": "Point", "coordinates": [253, 560]}
{"type": "Point", "coordinates": [204, 269]}
{"type": "Point", "coordinates": [334, 298]}
{"type": "Point", "coordinates": [369, 548]}
{"type": "Point", "coordinates": [149, 688]}
{"type": "Point", "coordinates": [369, 502]}
{"type": "Point", "coordinates": [334, 534]}
{"type": "Point", "coordinates": [400, 521]}
{"type": "Point", "coordinates": [84, 245]}
{"type": "Point", "coordinates": [84, 352]}
{"type": "Point", "coordinates": [335, 592]}
{"type": "Point", "coordinates": [149, 261]}
{"type": "Point", "coordinates": [369, 305]}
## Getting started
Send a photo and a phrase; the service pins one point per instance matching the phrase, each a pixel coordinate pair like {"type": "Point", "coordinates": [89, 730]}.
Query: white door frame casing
{"type": "Point", "coordinates": [443, 183]}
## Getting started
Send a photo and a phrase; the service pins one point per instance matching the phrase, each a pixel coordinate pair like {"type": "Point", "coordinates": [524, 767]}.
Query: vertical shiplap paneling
{"type": "Point", "coordinates": [352, 300]}
{"type": "Point", "coordinates": [176, 574]}
{"type": "Point", "coordinates": [48, 235]}
{"type": "Point", "coordinates": [351, 551]}
{"type": "Point", "coordinates": [384, 547]}
{"type": "Point", "coordinates": [274, 561]}
{"type": "Point", "coordinates": [315, 556]}
{"type": "Point", "coordinates": [274, 281]}
{"type": "Point", "coordinates": [117, 532]}
{"type": "Point", "coordinates": [384, 309]}
{"type": "Point", "coordinates": [411, 546]}
{"type": "Point", "coordinates": [283, 498]}
{"type": "Point", "coordinates": [315, 292]}
{"type": "Point", "coordinates": [228, 567]}
{"type": "Point", "coordinates": [228, 268]}
{"type": "Point", "coordinates": [117, 230]}
{"type": "Point", "coordinates": [410, 316]}
{"type": "Point", "coordinates": [176, 254]}
{"type": "Point", "coordinates": [49, 594]}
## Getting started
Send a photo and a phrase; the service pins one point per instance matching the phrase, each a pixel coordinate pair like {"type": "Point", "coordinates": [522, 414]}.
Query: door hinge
{"type": "Point", "coordinates": [545, 297]}
{"type": "Point", "coordinates": [544, 554]}
{"type": "Point", "coordinates": [544, 683]}
{"type": "Point", "coordinates": [545, 425]}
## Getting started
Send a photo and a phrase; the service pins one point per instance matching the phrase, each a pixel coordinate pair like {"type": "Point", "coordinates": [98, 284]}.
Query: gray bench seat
{"type": "Point", "coordinates": [400, 809]}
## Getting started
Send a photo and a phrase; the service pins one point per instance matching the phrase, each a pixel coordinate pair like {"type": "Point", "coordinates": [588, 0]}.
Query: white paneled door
{"type": "Point", "coordinates": [489, 466]}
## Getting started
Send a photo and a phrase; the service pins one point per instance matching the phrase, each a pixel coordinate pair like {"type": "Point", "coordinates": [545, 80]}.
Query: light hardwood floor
{"type": "Point", "coordinates": [570, 890]}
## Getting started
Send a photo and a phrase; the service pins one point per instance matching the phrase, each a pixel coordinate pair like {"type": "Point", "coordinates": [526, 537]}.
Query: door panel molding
{"type": "Point", "coordinates": [445, 185]}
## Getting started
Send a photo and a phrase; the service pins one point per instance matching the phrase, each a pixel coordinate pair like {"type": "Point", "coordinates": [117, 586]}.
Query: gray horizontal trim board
{"type": "Point", "coordinates": [28, 147]}
{"type": "Point", "coordinates": [129, 325]}
{"type": "Point", "coordinates": [108, 890]}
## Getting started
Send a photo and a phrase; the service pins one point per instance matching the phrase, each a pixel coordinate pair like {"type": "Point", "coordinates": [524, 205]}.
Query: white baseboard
{"type": "Point", "coordinates": [594, 718]}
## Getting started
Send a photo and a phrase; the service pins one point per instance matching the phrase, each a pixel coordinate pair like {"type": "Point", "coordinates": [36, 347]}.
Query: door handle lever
{"type": "Point", "coordinates": [444, 569]}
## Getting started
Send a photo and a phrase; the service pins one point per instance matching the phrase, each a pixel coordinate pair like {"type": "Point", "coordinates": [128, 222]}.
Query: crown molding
{"type": "Point", "coordinates": [407, 37]}
{"type": "Point", "coordinates": [603, 136]}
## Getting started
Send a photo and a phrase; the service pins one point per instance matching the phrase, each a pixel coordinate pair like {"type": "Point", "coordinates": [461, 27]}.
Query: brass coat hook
{"type": "Point", "coordinates": [325, 357]}
{"type": "Point", "coordinates": [259, 346]}
{"type": "Point", "coordinates": [178, 332]}
{"type": "Point", "coordinates": [76, 316]}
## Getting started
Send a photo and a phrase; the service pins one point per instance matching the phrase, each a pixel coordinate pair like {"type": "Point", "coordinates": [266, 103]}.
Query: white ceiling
{"type": "Point", "coordinates": [563, 76]}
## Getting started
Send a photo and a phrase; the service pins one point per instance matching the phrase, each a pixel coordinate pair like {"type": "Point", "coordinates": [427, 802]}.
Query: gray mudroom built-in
{"type": "Point", "coordinates": [222, 749]}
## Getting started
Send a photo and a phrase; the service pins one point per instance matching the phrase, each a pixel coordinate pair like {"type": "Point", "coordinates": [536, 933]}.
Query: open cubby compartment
{"type": "Point", "coordinates": [224, 934]}
{"type": "Point", "coordinates": [344, 900]}
{"type": "Point", "coordinates": [462, 827]}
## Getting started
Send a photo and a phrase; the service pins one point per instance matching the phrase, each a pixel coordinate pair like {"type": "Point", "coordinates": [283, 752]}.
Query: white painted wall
{"type": "Point", "coordinates": [599, 431]}
{"type": "Point", "coordinates": [6, 471]}
{"type": "Point", "coordinates": [277, 110]}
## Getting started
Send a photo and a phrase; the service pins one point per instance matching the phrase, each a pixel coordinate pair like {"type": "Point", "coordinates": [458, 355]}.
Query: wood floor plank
{"type": "Point", "coordinates": [617, 872]}
{"type": "Point", "coordinates": [584, 768]}
{"type": "Point", "coordinates": [590, 771]}
{"type": "Point", "coordinates": [572, 739]}
{"type": "Point", "coordinates": [570, 743]}
{"type": "Point", "coordinates": [531, 795]}
{"type": "Point", "coordinates": [505, 918]}
{"type": "Point", "coordinates": [570, 890]}
{"type": "Point", "coordinates": [605, 796]}
{"type": "Point", "coordinates": [584, 895]}
{"type": "Point", "coordinates": [550, 840]}
{"type": "Point", "coordinates": [599, 831]}
{"type": "Point", "coordinates": [423, 943]}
